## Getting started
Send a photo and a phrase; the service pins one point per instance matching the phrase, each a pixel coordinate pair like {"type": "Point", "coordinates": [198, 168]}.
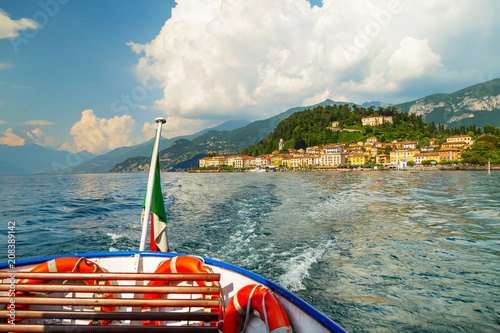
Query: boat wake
{"type": "Point", "coordinates": [297, 268]}
{"type": "Point", "coordinates": [121, 242]}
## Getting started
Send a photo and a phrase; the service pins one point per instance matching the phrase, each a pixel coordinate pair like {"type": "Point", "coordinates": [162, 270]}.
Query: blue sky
{"type": "Point", "coordinates": [94, 74]}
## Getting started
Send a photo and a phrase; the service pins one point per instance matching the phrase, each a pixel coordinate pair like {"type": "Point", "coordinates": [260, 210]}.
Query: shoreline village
{"type": "Point", "coordinates": [372, 154]}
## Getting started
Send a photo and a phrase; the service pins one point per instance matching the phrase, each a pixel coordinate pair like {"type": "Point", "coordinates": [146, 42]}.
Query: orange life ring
{"type": "Point", "coordinates": [180, 264]}
{"type": "Point", "coordinates": [68, 265]}
{"type": "Point", "coordinates": [258, 298]}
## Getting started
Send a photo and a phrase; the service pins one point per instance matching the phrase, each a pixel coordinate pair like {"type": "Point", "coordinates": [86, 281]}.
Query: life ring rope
{"type": "Point", "coordinates": [272, 313]}
{"type": "Point", "coordinates": [247, 317]}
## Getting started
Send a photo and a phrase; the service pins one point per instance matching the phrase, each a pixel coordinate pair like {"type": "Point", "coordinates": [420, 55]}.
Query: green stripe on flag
{"type": "Point", "coordinates": [157, 205]}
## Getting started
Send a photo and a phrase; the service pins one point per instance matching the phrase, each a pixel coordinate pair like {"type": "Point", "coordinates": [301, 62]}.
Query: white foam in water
{"type": "Point", "coordinates": [298, 267]}
{"type": "Point", "coordinates": [113, 237]}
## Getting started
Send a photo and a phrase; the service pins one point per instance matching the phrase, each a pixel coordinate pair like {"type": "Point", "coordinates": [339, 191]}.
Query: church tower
{"type": "Point", "coordinates": [282, 145]}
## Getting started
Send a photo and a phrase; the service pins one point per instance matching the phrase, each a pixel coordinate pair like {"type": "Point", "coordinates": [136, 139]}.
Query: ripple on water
{"type": "Point", "coordinates": [375, 251]}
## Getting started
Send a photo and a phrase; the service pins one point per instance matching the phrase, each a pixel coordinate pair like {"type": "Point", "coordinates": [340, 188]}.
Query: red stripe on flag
{"type": "Point", "coordinates": [153, 246]}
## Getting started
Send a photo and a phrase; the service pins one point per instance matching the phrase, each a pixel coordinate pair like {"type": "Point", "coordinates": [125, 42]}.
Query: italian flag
{"type": "Point", "coordinates": [159, 240]}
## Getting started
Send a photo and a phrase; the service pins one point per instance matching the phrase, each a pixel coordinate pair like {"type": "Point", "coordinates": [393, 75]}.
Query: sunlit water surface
{"type": "Point", "coordinates": [374, 251]}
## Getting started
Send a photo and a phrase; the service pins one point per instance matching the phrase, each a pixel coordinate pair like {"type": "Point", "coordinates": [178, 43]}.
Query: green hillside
{"type": "Point", "coordinates": [311, 128]}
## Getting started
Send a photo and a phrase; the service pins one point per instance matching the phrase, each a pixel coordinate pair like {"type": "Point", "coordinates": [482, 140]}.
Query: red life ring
{"type": "Point", "coordinates": [180, 264]}
{"type": "Point", "coordinates": [68, 265]}
{"type": "Point", "coordinates": [259, 298]}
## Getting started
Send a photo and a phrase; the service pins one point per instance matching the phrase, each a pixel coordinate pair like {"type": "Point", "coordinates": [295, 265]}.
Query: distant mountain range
{"type": "Point", "coordinates": [35, 159]}
{"type": "Point", "coordinates": [478, 105]}
{"type": "Point", "coordinates": [475, 105]}
{"type": "Point", "coordinates": [105, 162]}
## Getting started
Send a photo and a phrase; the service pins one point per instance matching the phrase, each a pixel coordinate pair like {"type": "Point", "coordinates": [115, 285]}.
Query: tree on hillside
{"type": "Point", "coordinates": [300, 144]}
{"type": "Point", "coordinates": [424, 142]}
{"type": "Point", "coordinates": [486, 147]}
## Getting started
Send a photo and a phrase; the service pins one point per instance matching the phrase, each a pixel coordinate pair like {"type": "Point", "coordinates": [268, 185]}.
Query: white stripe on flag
{"type": "Point", "coordinates": [160, 233]}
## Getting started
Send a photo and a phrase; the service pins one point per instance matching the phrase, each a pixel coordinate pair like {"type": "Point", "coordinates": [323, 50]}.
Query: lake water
{"type": "Point", "coordinates": [374, 251]}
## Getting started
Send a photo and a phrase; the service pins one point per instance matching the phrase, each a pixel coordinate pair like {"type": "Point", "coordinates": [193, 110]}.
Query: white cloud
{"type": "Point", "coordinates": [413, 59]}
{"type": "Point", "coordinates": [215, 59]}
{"type": "Point", "coordinates": [10, 28]}
{"type": "Point", "coordinates": [149, 130]}
{"type": "Point", "coordinates": [4, 66]}
{"type": "Point", "coordinates": [38, 122]}
{"type": "Point", "coordinates": [40, 138]}
{"type": "Point", "coordinates": [66, 146]}
{"type": "Point", "coordinates": [2, 122]}
{"type": "Point", "coordinates": [97, 135]}
{"type": "Point", "coordinates": [11, 139]}
{"type": "Point", "coordinates": [322, 96]}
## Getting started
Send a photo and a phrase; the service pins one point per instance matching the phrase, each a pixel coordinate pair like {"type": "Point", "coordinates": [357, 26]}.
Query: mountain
{"type": "Point", "coordinates": [222, 142]}
{"type": "Point", "coordinates": [35, 159]}
{"type": "Point", "coordinates": [105, 162]}
{"type": "Point", "coordinates": [475, 105]}
{"type": "Point", "coordinates": [375, 104]}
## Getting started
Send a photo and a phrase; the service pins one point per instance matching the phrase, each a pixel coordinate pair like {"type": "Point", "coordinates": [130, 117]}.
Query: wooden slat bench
{"type": "Point", "coordinates": [128, 309]}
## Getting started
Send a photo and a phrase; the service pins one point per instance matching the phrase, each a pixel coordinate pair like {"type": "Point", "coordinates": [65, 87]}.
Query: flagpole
{"type": "Point", "coordinates": [149, 192]}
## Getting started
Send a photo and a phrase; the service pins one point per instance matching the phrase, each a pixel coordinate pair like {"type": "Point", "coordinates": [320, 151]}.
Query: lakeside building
{"type": "Point", "coordinates": [403, 155]}
{"type": "Point", "coordinates": [358, 159]}
{"type": "Point", "coordinates": [276, 160]}
{"type": "Point", "coordinates": [332, 159]}
{"type": "Point", "coordinates": [450, 154]}
{"type": "Point", "coordinates": [262, 161]}
{"type": "Point", "coordinates": [334, 155]}
{"type": "Point", "coordinates": [239, 161]}
{"type": "Point", "coordinates": [216, 161]}
{"type": "Point", "coordinates": [383, 159]}
{"type": "Point", "coordinates": [432, 156]}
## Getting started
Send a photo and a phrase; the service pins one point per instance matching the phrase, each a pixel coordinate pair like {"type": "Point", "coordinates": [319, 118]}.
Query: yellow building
{"type": "Point", "coordinates": [293, 162]}
{"type": "Point", "coordinates": [455, 144]}
{"type": "Point", "coordinates": [358, 159]}
{"type": "Point", "coordinates": [276, 160]}
{"type": "Point", "coordinates": [403, 155]}
{"type": "Point", "coordinates": [212, 161]}
{"type": "Point", "coordinates": [203, 162]}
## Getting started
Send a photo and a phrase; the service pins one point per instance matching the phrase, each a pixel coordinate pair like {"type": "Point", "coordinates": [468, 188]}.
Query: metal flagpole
{"type": "Point", "coordinates": [149, 191]}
